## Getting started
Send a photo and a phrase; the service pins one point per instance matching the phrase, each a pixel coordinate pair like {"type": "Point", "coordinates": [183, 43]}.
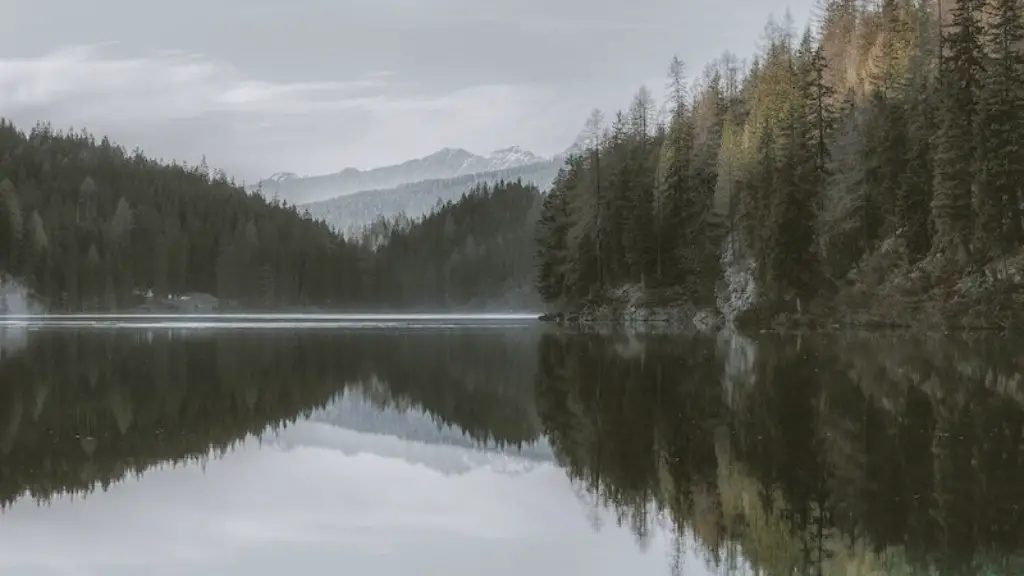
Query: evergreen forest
{"type": "Point", "coordinates": [85, 225]}
{"type": "Point", "coordinates": [874, 156]}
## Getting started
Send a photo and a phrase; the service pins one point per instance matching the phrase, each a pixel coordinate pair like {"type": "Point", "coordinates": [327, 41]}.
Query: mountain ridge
{"type": "Point", "coordinates": [444, 164]}
{"type": "Point", "coordinates": [350, 214]}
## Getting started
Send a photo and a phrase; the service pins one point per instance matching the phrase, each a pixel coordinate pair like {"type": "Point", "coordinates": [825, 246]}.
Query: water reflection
{"type": "Point", "coordinates": [374, 451]}
{"type": "Point", "coordinates": [389, 449]}
{"type": "Point", "coordinates": [846, 454]}
{"type": "Point", "coordinates": [85, 408]}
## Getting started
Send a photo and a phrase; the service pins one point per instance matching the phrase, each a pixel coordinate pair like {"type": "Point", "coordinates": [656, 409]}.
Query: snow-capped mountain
{"type": "Point", "coordinates": [443, 164]}
{"type": "Point", "coordinates": [348, 214]}
{"type": "Point", "coordinates": [282, 176]}
{"type": "Point", "coordinates": [503, 159]}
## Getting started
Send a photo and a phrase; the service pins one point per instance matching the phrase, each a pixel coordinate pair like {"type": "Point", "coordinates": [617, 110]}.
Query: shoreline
{"type": "Point", "coordinates": [998, 307]}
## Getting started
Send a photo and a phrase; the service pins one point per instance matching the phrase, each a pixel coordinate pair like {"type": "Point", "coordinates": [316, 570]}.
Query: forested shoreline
{"type": "Point", "coordinates": [865, 172]}
{"type": "Point", "coordinates": [85, 225]}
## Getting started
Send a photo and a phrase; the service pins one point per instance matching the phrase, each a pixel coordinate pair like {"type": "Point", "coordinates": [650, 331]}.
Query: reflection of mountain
{"type": "Point", "coordinates": [84, 408]}
{"type": "Point", "coordinates": [448, 459]}
{"type": "Point", "coordinates": [816, 455]}
{"type": "Point", "coordinates": [353, 411]}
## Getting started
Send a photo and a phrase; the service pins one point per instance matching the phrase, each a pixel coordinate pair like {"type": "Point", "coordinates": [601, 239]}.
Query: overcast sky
{"type": "Point", "coordinates": [312, 86]}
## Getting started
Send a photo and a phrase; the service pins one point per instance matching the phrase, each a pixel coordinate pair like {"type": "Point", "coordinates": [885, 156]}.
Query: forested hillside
{"type": "Point", "coordinates": [87, 226]}
{"type": "Point", "coordinates": [870, 162]}
{"type": "Point", "coordinates": [477, 252]}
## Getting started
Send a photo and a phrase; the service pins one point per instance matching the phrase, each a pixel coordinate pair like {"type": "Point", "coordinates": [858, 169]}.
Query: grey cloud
{"type": "Point", "coordinates": [523, 72]}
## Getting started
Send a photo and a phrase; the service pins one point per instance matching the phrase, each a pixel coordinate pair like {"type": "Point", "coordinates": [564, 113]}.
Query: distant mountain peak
{"type": "Point", "coordinates": [448, 162]}
{"type": "Point", "coordinates": [282, 176]}
{"type": "Point", "coordinates": [516, 149]}
{"type": "Point", "coordinates": [515, 152]}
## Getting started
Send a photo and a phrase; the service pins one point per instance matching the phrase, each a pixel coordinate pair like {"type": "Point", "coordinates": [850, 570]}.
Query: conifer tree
{"type": "Point", "coordinates": [956, 142]}
{"type": "Point", "coordinates": [1001, 129]}
{"type": "Point", "coordinates": [674, 199]}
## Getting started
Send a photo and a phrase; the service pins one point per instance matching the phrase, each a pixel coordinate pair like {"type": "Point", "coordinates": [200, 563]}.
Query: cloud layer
{"type": "Point", "coordinates": [179, 105]}
{"type": "Point", "coordinates": [313, 86]}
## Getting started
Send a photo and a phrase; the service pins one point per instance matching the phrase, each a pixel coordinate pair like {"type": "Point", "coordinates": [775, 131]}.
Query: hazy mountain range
{"type": "Point", "coordinates": [351, 199]}
{"type": "Point", "coordinates": [348, 214]}
{"type": "Point", "coordinates": [443, 164]}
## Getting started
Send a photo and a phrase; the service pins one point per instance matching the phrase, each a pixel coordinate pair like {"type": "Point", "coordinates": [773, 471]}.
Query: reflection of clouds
{"type": "Point", "coordinates": [16, 300]}
{"type": "Point", "coordinates": [264, 510]}
{"type": "Point", "coordinates": [443, 458]}
{"type": "Point", "coordinates": [371, 409]}
{"type": "Point", "coordinates": [13, 339]}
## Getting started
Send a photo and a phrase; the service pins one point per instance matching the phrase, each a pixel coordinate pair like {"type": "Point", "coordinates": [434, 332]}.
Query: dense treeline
{"type": "Point", "coordinates": [873, 144]}
{"type": "Point", "coordinates": [837, 455]}
{"type": "Point", "coordinates": [81, 409]}
{"type": "Point", "coordinates": [474, 252]}
{"type": "Point", "coordinates": [86, 225]}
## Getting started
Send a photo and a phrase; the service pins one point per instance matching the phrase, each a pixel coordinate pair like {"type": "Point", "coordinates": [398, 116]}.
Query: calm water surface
{"type": "Point", "coordinates": [466, 446]}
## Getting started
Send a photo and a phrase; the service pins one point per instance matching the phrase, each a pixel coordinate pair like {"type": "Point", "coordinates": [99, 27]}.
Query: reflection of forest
{"type": "Point", "coordinates": [815, 455]}
{"type": "Point", "coordinates": [81, 409]}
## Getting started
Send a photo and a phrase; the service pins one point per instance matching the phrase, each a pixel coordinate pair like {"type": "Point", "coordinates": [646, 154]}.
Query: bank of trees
{"type": "Point", "coordinates": [872, 128]}
{"type": "Point", "coordinates": [86, 225]}
{"type": "Point", "coordinates": [475, 252]}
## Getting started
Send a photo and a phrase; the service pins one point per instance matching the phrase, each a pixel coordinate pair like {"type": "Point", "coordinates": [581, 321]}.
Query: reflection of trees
{"type": "Point", "coordinates": [80, 409]}
{"type": "Point", "coordinates": [481, 379]}
{"type": "Point", "coordinates": [852, 454]}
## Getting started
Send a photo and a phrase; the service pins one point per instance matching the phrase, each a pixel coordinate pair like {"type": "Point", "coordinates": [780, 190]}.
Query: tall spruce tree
{"type": "Point", "coordinates": [674, 202]}
{"type": "Point", "coordinates": [1001, 130]}
{"type": "Point", "coordinates": [956, 151]}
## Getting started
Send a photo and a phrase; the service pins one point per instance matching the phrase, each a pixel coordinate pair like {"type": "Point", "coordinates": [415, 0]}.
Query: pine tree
{"type": "Point", "coordinates": [1001, 127]}
{"type": "Point", "coordinates": [821, 115]}
{"type": "Point", "coordinates": [760, 198]}
{"type": "Point", "coordinates": [674, 200]}
{"type": "Point", "coordinates": [552, 247]}
{"type": "Point", "coordinates": [956, 142]}
{"type": "Point", "coordinates": [11, 226]}
{"type": "Point", "coordinates": [913, 202]}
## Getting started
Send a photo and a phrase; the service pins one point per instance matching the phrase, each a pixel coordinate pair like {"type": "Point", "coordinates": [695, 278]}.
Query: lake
{"type": "Point", "coordinates": [498, 445]}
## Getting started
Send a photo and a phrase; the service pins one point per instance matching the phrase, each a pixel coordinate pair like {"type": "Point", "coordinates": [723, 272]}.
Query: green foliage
{"type": "Point", "coordinates": [83, 409]}
{"type": "Point", "coordinates": [87, 226]}
{"type": "Point", "coordinates": [872, 130]}
{"type": "Point", "coordinates": [852, 454]}
{"type": "Point", "coordinates": [476, 252]}
{"type": "Point", "coordinates": [1001, 103]}
{"type": "Point", "coordinates": [956, 153]}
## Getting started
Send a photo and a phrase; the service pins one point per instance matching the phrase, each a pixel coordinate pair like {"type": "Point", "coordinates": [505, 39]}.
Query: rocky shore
{"type": "Point", "coordinates": [883, 293]}
{"type": "Point", "coordinates": [632, 306]}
